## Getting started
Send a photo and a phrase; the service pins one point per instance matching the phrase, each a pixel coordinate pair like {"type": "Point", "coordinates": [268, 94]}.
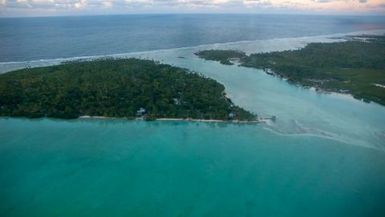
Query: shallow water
{"type": "Point", "coordinates": [128, 168]}
{"type": "Point", "coordinates": [299, 111]}
{"type": "Point", "coordinates": [324, 156]}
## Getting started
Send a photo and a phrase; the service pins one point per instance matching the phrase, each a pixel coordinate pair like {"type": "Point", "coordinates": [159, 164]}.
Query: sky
{"type": "Point", "coordinates": [93, 7]}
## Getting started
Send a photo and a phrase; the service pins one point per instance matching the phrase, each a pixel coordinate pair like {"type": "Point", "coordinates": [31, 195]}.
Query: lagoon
{"type": "Point", "coordinates": [324, 156]}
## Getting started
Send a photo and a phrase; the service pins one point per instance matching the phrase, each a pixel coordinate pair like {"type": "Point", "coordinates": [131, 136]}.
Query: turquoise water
{"type": "Point", "coordinates": [324, 156]}
{"type": "Point", "coordinates": [128, 168]}
{"type": "Point", "coordinates": [299, 111]}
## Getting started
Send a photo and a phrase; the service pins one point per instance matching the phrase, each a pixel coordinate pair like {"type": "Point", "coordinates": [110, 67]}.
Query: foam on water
{"type": "Point", "coordinates": [300, 111]}
{"type": "Point", "coordinates": [310, 162]}
{"type": "Point", "coordinates": [254, 46]}
{"type": "Point", "coordinates": [135, 168]}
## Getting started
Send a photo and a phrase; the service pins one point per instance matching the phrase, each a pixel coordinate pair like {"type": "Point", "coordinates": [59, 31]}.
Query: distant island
{"type": "Point", "coordinates": [355, 67]}
{"type": "Point", "coordinates": [129, 88]}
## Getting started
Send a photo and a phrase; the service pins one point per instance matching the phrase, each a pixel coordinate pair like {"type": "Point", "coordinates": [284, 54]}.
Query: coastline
{"type": "Point", "coordinates": [340, 75]}
{"type": "Point", "coordinates": [7, 66]}
{"type": "Point", "coordinates": [259, 120]}
{"type": "Point", "coordinates": [321, 90]}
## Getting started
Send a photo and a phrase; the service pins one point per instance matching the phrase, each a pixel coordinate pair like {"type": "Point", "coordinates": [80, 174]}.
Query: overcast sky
{"type": "Point", "coordinates": [89, 7]}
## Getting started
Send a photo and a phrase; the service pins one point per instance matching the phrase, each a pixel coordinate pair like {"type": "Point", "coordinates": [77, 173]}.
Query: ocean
{"type": "Point", "coordinates": [24, 39]}
{"type": "Point", "coordinates": [324, 156]}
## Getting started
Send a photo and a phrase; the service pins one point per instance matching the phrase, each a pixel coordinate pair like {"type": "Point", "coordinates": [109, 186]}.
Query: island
{"type": "Point", "coordinates": [355, 66]}
{"type": "Point", "coordinates": [123, 88]}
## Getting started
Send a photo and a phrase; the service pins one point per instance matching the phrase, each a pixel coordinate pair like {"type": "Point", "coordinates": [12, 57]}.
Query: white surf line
{"type": "Point", "coordinates": [56, 61]}
{"type": "Point", "coordinates": [327, 135]}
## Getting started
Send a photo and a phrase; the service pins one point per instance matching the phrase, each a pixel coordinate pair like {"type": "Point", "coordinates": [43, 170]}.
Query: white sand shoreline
{"type": "Point", "coordinates": [178, 119]}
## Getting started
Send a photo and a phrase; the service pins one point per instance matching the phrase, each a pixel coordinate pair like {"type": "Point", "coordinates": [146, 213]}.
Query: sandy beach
{"type": "Point", "coordinates": [180, 119]}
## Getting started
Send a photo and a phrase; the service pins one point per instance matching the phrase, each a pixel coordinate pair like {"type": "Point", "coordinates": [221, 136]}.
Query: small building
{"type": "Point", "coordinates": [141, 111]}
{"type": "Point", "coordinates": [232, 115]}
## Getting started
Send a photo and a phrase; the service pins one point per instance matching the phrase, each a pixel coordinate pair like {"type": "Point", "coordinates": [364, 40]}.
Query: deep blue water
{"type": "Point", "coordinates": [57, 37]}
{"type": "Point", "coordinates": [324, 156]}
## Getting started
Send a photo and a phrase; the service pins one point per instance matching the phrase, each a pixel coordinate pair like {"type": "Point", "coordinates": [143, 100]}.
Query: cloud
{"type": "Point", "coordinates": [126, 3]}
{"type": "Point", "coordinates": [347, 1]}
{"type": "Point", "coordinates": [47, 4]}
{"type": "Point", "coordinates": [323, 1]}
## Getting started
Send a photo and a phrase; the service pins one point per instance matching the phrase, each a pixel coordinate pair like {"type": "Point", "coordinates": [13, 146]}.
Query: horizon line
{"type": "Point", "coordinates": [201, 13]}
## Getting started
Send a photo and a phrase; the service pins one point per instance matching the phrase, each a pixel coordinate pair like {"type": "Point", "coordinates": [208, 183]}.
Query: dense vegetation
{"type": "Point", "coordinates": [356, 66]}
{"type": "Point", "coordinates": [115, 88]}
{"type": "Point", "coordinates": [222, 56]}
